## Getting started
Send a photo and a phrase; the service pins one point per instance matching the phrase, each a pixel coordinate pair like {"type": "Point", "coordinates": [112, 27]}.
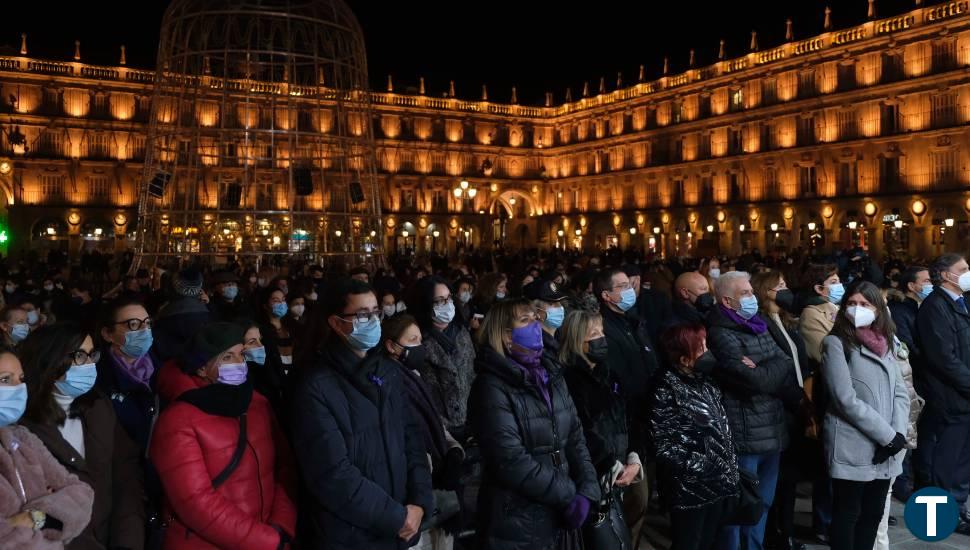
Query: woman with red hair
{"type": "Point", "coordinates": [696, 461]}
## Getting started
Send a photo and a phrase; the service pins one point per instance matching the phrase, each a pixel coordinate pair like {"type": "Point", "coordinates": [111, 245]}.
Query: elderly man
{"type": "Point", "coordinates": [756, 377]}
{"type": "Point", "coordinates": [692, 299]}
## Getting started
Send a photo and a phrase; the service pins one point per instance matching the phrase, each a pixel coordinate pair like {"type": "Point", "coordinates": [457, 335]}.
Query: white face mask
{"type": "Point", "coordinates": [963, 281]}
{"type": "Point", "coordinates": [715, 273]}
{"type": "Point", "coordinates": [860, 316]}
{"type": "Point", "coordinates": [298, 310]}
{"type": "Point", "coordinates": [390, 310]}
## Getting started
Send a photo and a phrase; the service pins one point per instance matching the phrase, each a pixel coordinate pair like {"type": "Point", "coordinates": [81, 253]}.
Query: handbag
{"type": "Point", "coordinates": [607, 529]}
{"type": "Point", "coordinates": [446, 506]}
{"type": "Point", "coordinates": [748, 506]}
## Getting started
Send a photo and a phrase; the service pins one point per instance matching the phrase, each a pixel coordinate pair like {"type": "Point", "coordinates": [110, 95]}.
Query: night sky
{"type": "Point", "coordinates": [537, 45]}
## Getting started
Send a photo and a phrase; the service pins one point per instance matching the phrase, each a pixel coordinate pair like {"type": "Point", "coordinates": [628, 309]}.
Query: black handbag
{"type": "Point", "coordinates": [607, 529]}
{"type": "Point", "coordinates": [748, 506]}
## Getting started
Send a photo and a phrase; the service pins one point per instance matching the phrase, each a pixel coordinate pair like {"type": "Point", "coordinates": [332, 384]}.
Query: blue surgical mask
{"type": "Point", "coordinates": [13, 403]}
{"type": "Point", "coordinates": [230, 292]}
{"type": "Point", "coordinates": [366, 334]}
{"type": "Point", "coordinates": [255, 355]}
{"type": "Point", "coordinates": [79, 380]}
{"type": "Point", "coordinates": [279, 310]}
{"type": "Point", "coordinates": [836, 292]}
{"type": "Point", "coordinates": [137, 343]}
{"type": "Point", "coordinates": [628, 297]}
{"type": "Point", "coordinates": [554, 317]}
{"type": "Point", "coordinates": [749, 307]}
{"type": "Point", "coordinates": [925, 292]}
{"type": "Point", "coordinates": [18, 333]}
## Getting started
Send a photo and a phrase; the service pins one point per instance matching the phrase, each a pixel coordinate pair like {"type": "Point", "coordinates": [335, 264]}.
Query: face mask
{"type": "Point", "coordinates": [230, 292]}
{"type": "Point", "coordinates": [963, 281]}
{"type": "Point", "coordinates": [465, 297]}
{"type": "Point", "coordinates": [749, 307]}
{"type": "Point", "coordinates": [49, 288]}
{"type": "Point", "coordinates": [10, 289]}
{"type": "Point", "coordinates": [298, 310]}
{"type": "Point", "coordinates": [714, 273]}
{"type": "Point", "coordinates": [400, 307]}
{"type": "Point", "coordinates": [13, 403]}
{"type": "Point", "coordinates": [33, 317]}
{"type": "Point", "coordinates": [790, 261]}
{"type": "Point", "coordinates": [860, 316]}
{"type": "Point", "coordinates": [444, 314]}
{"type": "Point", "coordinates": [704, 302]}
{"type": "Point", "coordinates": [628, 298]}
{"type": "Point", "coordinates": [232, 374]}
{"type": "Point", "coordinates": [312, 297]}
{"type": "Point", "coordinates": [279, 310]}
{"type": "Point", "coordinates": [252, 280]}
{"type": "Point", "coordinates": [19, 333]}
{"type": "Point", "coordinates": [527, 345]}
{"type": "Point", "coordinates": [137, 342]}
{"type": "Point", "coordinates": [285, 290]}
{"type": "Point", "coordinates": [706, 362]}
{"type": "Point", "coordinates": [598, 350]}
{"type": "Point", "coordinates": [262, 282]}
{"type": "Point", "coordinates": [79, 380]}
{"type": "Point", "coordinates": [390, 310]}
{"type": "Point", "coordinates": [286, 359]}
{"type": "Point", "coordinates": [255, 355]}
{"type": "Point", "coordinates": [925, 292]}
{"type": "Point", "coordinates": [365, 335]}
{"type": "Point", "coordinates": [499, 295]}
{"type": "Point", "coordinates": [836, 292]}
{"type": "Point", "coordinates": [785, 299]}
{"type": "Point", "coordinates": [413, 356]}
{"type": "Point", "coordinates": [554, 317]}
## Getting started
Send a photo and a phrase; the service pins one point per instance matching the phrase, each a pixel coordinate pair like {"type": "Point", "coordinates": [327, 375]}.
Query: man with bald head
{"type": "Point", "coordinates": [692, 299]}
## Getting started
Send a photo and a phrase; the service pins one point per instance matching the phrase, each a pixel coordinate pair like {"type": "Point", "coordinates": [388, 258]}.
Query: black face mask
{"type": "Point", "coordinates": [598, 350]}
{"type": "Point", "coordinates": [704, 302]}
{"type": "Point", "coordinates": [705, 363]}
{"type": "Point", "coordinates": [786, 300]}
{"type": "Point", "coordinates": [413, 356]}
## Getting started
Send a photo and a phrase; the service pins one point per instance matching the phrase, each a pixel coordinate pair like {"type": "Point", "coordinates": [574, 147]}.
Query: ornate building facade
{"type": "Point", "coordinates": [853, 137]}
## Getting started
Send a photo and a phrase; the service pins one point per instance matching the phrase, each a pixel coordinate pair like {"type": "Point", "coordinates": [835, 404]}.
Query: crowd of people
{"type": "Point", "coordinates": [521, 401]}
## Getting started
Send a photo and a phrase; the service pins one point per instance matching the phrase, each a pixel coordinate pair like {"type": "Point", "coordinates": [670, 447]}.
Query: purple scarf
{"type": "Point", "coordinates": [756, 323]}
{"type": "Point", "coordinates": [539, 377]}
{"type": "Point", "coordinates": [139, 372]}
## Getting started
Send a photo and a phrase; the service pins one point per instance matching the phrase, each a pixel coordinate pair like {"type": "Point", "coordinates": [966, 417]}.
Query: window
{"type": "Point", "coordinates": [338, 200]}
{"type": "Point", "coordinates": [52, 143]}
{"type": "Point", "coordinates": [407, 199]}
{"type": "Point", "coordinates": [769, 92]}
{"type": "Point", "coordinates": [846, 77]}
{"type": "Point", "coordinates": [734, 182]}
{"type": "Point", "coordinates": [806, 84]}
{"type": "Point", "coordinates": [771, 182]}
{"type": "Point", "coordinates": [943, 165]}
{"type": "Point", "coordinates": [98, 187]}
{"type": "Point", "coordinates": [575, 198]}
{"type": "Point", "coordinates": [439, 202]}
{"type": "Point", "coordinates": [806, 131]}
{"type": "Point", "coordinates": [98, 145]}
{"type": "Point", "coordinates": [889, 173]}
{"type": "Point", "coordinates": [845, 179]}
{"type": "Point", "coordinates": [944, 55]}
{"type": "Point", "coordinates": [943, 111]}
{"type": "Point", "coordinates": [846, 125]}
{"type": "Point", "coordinates": [737, 99]}
{"type": "Point", "coordinates": [807, 184]}
{"type": "Point", "coordinates": [734, 141]}
{"type": "Point", "coordinates": [52, 186]}
{"type": "Point", "coordinates": [707, 189]}
{"type": "Point", "coordinates": [559, 202]}
{"type": "Point", "coordinates": [889, 119]}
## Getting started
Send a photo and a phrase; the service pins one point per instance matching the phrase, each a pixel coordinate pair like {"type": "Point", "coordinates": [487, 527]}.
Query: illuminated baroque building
{"type": "Point", "coordinates": [855, 136]}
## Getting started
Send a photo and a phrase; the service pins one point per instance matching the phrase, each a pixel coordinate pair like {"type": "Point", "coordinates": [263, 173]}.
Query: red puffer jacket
{"type": "Point", "coordinates": [190, 447]}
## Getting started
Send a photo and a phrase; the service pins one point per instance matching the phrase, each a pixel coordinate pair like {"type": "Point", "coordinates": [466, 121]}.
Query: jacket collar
{"type": "Point", "coordinates": [52, 439]}
{"type": "Point", "coordinates": [945, 296]}
{"type": "Point", "coordinates": [491, 362]}
{"type": "Point", "coordinates": [366, 374]}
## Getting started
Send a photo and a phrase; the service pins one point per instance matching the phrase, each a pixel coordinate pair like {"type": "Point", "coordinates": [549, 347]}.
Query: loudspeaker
{"type": "Point", "coordinates": [356, 192]}
{"type": "Point", "coordinates": [303, 181]}
{"type": "Point", "coordinates": [156, 187]}
{"type": "Point", "coordinates": [233, 196]}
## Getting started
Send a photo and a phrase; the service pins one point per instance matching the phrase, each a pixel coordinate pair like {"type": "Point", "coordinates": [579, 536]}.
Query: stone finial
{"type": "Point", "coordinates": [602, 84]}
{"type": "Point", "coordinates": [569, 95]}
{"type": "Point", "coordinates": [827, 25]}
{"type": "Point", "coordinates": [720, 51]}
{"type": "Point", "coordinates": [421, 85]}
{"type": "Point", "coordinates": [451, 88]}
{"type": "Point", "coordinates": [789, 35]}
{"type": "Point", "coordinates": [23, 43]}
{"type": "Point", "coordinates": [643, 74]}
{"type": "Point", "coordinates": [586, 89]}
{"type": "Point", "coordinates": [666, 65]}
{"type": "Point", "coordinates": [515, 96]}
{"type": "Point", "coordinates": [77, 50]}
{"type": "Point", "coordinates": [872, 9]}
{"type": "Point", "coordinates": [691, 61]}
{"type": "Point", "coordinates": [390, 83]}
{"type": "Point", "coordinates": [548, 99]}
{"type": "Point", "coordinates": [124, 59]}
{"type": "Point", "coordinates": [754, 41]}
{"type": "Point", "coordinates": [619, 80]}
{"type": "Point", "coordinates": [484, 93]}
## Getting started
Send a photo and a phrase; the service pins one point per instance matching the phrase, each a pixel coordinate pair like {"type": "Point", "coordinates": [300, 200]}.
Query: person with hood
{"type": "Point", "coordinates": [538, 483]}
{"type": "Point", "coordinates": [227, 303]}
{"type": "Point", "coordinates": [42, 505]}
{"type": "Point", "coordinates": [361, 454]}
{"type": "Point", "coordinates": [226, 470]}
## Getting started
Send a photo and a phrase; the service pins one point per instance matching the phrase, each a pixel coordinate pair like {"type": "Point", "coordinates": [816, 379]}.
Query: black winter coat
{"type": "Point", "coordinates": [753, 398]}
{"type": "Point", "coordinates": [944, 341]}
{"type": "Point", "coordinates": [692, 434]}
{"type": "Point", "coordinates": [360, 451]}
{"type": "Point", "coordinates": [904, 317]}
{"type": "Point", "coordinates": [632, 356]}
{"type": "Point", "coordinates": [534, 460]}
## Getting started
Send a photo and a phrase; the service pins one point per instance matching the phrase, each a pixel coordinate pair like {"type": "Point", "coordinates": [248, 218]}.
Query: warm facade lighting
{"type": "Point", "coordinates": [919, 207]}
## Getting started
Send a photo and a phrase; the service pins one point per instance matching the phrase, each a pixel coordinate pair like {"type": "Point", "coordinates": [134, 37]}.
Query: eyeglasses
{"type": "Point", "coordinates": [363, 316]}
{"type": "Point", "coordinates": [622, 286]}
{"type": "Point", "coordinates": [442, 301]}
{"type": "Point", "coordinates": [81, 357]}
{"type": "Point", "coordinates": [136, 324]}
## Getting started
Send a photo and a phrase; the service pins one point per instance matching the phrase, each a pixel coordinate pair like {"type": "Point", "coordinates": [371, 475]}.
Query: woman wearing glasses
{"type": "Point", "coordinates": [78, 426]}
{"type": "Point", "coordinates": [361, 452]}
{"type": "Point", "coordinates": [450, 365]}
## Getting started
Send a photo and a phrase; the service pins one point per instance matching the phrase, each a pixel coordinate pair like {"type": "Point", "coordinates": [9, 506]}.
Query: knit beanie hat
{"type": "Point", "coordinates": [188, 283]}
{"type": "Point", "coordinates": [210, 341]}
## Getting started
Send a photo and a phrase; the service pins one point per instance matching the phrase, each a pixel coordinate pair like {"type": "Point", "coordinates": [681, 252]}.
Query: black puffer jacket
{"type": "Point", "coordinates": [535, 461]}
{"type": "Point", "coordinates": [943, 377]}
{"type": "Point", "coordinates": [904, 317]}
{"type": "Point", "coordinates": [693, 439]}
{"type": "Point", "coordinates": [752, 397]}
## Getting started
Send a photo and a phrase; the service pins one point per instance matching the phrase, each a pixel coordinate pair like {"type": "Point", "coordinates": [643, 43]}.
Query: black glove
{"type": "Point", "coordinates": [883, 454]}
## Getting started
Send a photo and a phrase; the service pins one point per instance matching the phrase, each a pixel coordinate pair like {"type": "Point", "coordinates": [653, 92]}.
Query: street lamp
{"type": "Point", "coordinates": [853, 225]}
{"type": "Point", "coordinates": [741, 228]}
{"type": "Point", "coordinates": [579, 232]}
{"type": "Point", "coordinates": [774, 227]}
{"type": "Point", "coordinates": [811, 226]}
{"type": "Point", "coordinates": [948, 222]}
{"type": "Point", "coordinates": [463, 184]}
{"type": "Point", "coordinates": [338, 233]}
{"type": "Point", "coordinates": [898, 224]}
{"type": "Point", "coordinates": [656, 230]}
{"type": "Point", "coordinates": [710, 228]}
{"type": "Point", "coordinates": [404, 234]}
{"type": "Point", "coordinates": [633, 230]}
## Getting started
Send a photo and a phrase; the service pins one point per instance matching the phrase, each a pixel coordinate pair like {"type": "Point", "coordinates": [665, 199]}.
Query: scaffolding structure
{"type": "Point", "coordinates": [261, 139]}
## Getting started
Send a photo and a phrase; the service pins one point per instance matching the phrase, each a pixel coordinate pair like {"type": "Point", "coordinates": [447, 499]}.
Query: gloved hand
{"type": "Point", "coordinates": [576, 512]}
{"type": "Point", "coordinates": [883, 454]}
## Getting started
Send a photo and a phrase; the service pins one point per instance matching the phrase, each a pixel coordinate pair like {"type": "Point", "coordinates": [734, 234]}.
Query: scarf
{"type": "Point", "coordinates": [446, 338]}
{"type": "Point", "coordinates": [139, 372]}
{"type": "Point", "coordinates": [875, 341]}
{"type": "Point", "coordinates": [755, 324]}
{"type": "Point", "coordinates": [427, 416]}
{"type": "Point", "coordinates": [539, 377]}
{"type": "Point", "coordinates": [221, 399]}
